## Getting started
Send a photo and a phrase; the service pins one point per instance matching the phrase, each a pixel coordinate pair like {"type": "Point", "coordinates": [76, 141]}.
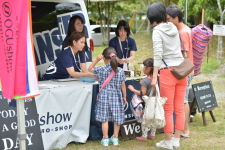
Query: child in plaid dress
{"type": "Point", "coordinates": [147, 133]}
{"type": "Point", "coordinates": [112, 97]}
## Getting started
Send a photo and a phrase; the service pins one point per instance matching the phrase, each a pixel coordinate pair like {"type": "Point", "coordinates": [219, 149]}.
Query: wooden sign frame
{"type": "Point", "coordinates": [208, 85]}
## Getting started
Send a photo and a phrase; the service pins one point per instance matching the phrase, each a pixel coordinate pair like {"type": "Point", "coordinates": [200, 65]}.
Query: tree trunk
{"type": "Point", "coordinates": [220, 40]}
{"type": "Point", "coordinates": [146, 5]}
{"type": "Point", "coordinates": [220, 44]}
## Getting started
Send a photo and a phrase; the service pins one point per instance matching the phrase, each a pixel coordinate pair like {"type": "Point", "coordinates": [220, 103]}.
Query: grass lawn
{"type": "Point", "coordinates": [209, 137]}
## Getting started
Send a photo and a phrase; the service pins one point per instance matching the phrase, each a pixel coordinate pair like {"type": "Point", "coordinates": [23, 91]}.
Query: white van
{"type": "Point", "coordinates": [50, 19]}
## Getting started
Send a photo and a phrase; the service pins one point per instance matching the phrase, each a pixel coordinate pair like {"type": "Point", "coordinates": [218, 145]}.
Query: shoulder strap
{"type": "Point", "coordinates": [107, 80]}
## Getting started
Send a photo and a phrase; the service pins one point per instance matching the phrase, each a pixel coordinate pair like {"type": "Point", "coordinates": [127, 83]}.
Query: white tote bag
{"type": "Point", "coordinates": [154, 110]}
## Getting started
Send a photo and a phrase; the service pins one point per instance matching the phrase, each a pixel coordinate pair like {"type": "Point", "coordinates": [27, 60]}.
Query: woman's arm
{"type": "Point", "coordinates": [185, 43]}
{"type": "Point", "coordinates": [155, 76]}
{"type": "Point", "coordinates": [83, 68]}
{"type": "Point", "coordinates": [132, 53]}
{"type": "Point", "coordinates": [123, 87]}
{"type": "Point", "coordinates": [75, 74]}
{"type": "Point", "coordinates": [98, 58]}
{"type": "Point", "coordinates": [120, 61]}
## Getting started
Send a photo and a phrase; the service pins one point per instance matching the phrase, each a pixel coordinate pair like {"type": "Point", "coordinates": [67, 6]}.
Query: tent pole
{"type": "Point", "coordinates": [21, 124]}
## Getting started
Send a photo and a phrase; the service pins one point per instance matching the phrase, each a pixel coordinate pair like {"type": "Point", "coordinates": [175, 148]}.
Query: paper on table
{"type": "Point", "coordinates": [67, 79]}
{"type": "Point", "coordinates": [48, 86]}
{"type": "Point", "coordinates": [125, 68]}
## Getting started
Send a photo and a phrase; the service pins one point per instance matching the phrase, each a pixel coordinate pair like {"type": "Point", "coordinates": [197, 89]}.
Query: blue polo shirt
{"type": "Point", "coordinates": [127, 46]}
{"type": "Point", "coordinates": [66, 59]}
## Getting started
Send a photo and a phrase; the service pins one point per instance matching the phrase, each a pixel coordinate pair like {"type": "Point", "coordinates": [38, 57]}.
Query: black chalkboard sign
{"type": "Point", "coordinates": [205, 96]}
{"type": "Point", "coordinates": [9, 126]}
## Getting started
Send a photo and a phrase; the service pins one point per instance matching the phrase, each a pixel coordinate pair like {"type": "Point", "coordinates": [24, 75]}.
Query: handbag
{"type": "Point", "coordinates": [184, 69]}
{"type": "Point", "coordinates": [154, 110]}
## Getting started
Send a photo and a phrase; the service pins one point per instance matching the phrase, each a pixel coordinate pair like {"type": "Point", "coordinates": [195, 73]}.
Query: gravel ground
{"type": "Point", "coordinates": [218, 80]}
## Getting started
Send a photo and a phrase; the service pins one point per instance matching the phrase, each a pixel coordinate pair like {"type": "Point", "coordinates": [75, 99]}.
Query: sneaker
{"type": "Point", "coordinates": [114, 141]}
{"type": "Point", "coordinates": [105, 142]}
{"type": "Point", "coordinates": [176, 143]}
{"type": "Point", "coordinates": [166, 145]}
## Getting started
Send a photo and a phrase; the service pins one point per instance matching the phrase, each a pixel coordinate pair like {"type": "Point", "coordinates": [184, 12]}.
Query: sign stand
{"type": "Point", "coordinates": [205, 99]}
{"type": "Point", "coordinates": [203, 113]}
{"type": "Point", "coordinates": [21, 124]}
{"type": "Point", "coordinates": [211, 114]}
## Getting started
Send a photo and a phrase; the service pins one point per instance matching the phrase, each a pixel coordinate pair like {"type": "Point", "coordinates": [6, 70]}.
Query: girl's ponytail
{"type": "Point", "coordinates": [114, 63]}
{"type": "Point", "coordinates": [110, 53]}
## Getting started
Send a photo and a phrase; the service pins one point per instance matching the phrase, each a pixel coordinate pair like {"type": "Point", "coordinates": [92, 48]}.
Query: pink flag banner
{"type": "Point", "coordinates": [15, 51]}
{"type": "Point", "coordinates": [32, 84]}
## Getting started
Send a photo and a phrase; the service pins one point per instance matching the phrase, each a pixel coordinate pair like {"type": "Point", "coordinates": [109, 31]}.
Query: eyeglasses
{"type": "Point", "coordinates": [79, 24]}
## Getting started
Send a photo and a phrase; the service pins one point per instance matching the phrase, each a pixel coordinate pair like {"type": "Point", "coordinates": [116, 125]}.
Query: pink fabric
{"type": "Point", "coordinates": [185, 34]}
{"type": "Point", "coordinates": [107, 80]}
{"type": "Point", "coordinates": [174, 90]}
{"type": "Point", "coordinates": [13, 29]}
{"type": "Point", "coordinates": [112, 55]}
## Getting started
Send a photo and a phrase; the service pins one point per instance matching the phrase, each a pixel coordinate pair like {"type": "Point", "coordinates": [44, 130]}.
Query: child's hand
{"type": "Point", "coordinates": [99, 57]}
{"type": "Point", "coordinates": [130, 87]}
{"type": "Point", "coordinates": [124, 100]}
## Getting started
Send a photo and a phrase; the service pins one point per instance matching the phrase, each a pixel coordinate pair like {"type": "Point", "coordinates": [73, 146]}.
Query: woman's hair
{"type": "Point", "coordinates": [149, 63]}
{"type": "Point", "coordinates": [75, 36]}
{"type": "Point", "coordinates": [71, 27]}
{"type": "Point", "coordinates": [174, 11]}
{"type": "Point", "coordinates": [156, 13]}
{"type": "Point", "coordinates": [125, 25]}
{"type": "Point", "coordinates": [113, 62]}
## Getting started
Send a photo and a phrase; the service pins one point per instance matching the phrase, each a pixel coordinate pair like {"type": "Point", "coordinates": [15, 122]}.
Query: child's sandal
{"type": "Point", "coordinates": [150, 137]}
{"type": "Point", "coordinates": [142, 139]}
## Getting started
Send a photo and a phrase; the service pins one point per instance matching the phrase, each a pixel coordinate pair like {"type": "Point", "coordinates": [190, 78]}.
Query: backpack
{"type": "Point", "coordinates": [200, 40]}
{"type": "Point", "coordinates": [137, 107]}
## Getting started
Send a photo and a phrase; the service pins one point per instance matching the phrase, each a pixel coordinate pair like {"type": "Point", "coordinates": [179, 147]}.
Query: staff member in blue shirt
{"type": "Point", "coordinates": [124, 45]}
{"type": "Point", "coordinates": [68, 63]}
{"type": "Point", "coordinates": [77, 24]}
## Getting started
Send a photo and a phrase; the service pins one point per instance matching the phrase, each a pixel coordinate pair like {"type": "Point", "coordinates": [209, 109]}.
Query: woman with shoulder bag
{"type": "Point", "coordinates": [166, 46]}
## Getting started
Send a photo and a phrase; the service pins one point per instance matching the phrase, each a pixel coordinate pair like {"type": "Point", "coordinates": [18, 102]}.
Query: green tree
{"type": "Point", "coordinates": [48, 21]}
{"type": "Point", "coordinates": [213, 12]}
{"type": "Point", "coordinates": [195, 7]}
{"type": "Point", "coordinates": [102, 13]}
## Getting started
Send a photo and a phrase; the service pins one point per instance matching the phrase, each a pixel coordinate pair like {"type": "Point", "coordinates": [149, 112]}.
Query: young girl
{"type": "Point", "coordinates": [110, 99]}
{"type": "Point", "coordinates": [145, 90]}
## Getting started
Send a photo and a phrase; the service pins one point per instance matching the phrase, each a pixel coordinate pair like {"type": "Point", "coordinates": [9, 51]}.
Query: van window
{"type": "Point", "coordinates": [97, 30]}
{"type": "Point", "coordinates": [44, 14]}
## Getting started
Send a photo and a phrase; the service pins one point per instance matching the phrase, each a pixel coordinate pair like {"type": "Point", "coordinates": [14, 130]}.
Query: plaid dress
{"type": "Point", "coordinates": [110, 99]}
